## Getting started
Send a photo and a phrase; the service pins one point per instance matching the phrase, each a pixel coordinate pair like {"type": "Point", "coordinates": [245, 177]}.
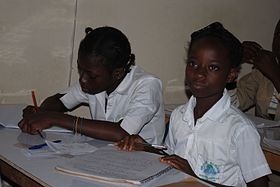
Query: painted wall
{"type": "Point", "coordinates": [39, 38]}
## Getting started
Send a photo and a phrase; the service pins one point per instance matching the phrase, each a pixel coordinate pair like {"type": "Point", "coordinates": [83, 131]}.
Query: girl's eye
{"type": "Point", "coordinates": [192, 64]}
{"type": "Point", "coordinates": [92, 77]}
{"type": "Point", "coordinates": [213, 68]}
{"type": "Point", "coordinates": [86, 74]}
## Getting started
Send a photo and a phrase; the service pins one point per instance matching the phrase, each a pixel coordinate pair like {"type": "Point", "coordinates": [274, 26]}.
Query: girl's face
{"type": "Point", "coordinates": [208, 68]}
{"type": "Point", "coordinates": [95, 77]}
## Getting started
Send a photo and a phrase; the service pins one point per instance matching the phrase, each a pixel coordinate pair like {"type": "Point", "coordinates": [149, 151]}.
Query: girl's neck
{"type": "Point", "coordinates": [115, 85]}
{"type": "Point", "coordinates": [203, 105]}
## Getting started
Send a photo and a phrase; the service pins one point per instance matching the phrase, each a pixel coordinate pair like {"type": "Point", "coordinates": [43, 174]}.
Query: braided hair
{"type": "Point", "coordinates": [216, 30]}
{"type": "Point", "coordinates": [110, 44]}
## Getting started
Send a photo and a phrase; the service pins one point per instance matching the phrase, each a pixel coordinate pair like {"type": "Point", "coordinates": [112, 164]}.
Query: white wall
{"type": "Point", "coordinates": [35, 47]}
{"type": "Point", "coordinates": [36, 37]}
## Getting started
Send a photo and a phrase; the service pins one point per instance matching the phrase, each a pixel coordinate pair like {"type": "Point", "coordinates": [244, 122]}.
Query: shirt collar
{"type": "Point", "coordinates": [214, 113]}
{"type": "Point", "coordinates": [126, 82]}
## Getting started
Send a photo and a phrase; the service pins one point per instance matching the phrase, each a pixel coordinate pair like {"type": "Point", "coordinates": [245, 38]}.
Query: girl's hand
{"type": "Point", "coordinates": [178, 163]}
{"type": "Point", "coordinates": [36, 122]}
{"type": "Point", "coordinates": [28, 111]}
{"type": "Point", "coordinates": [250, 51]}
{"type": "Point", "coordinates": [131, 142]}
{"type": "Point", "coordinates": [266, 62]}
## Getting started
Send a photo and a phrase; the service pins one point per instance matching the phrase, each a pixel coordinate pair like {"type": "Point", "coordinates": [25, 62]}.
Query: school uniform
{"type": "Point", "coordinates": [254, 89]}
{"type": "Point", "coordinates": [223, 146]}
{"type": "Point", "coordinates": [137, 101]}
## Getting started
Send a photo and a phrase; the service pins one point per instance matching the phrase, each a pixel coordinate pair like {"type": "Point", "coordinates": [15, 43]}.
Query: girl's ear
{"type": "Point", "coordinates": [233, 74]}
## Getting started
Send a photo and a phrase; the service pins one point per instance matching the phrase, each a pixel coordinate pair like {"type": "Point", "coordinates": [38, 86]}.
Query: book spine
{"type": "Point", "coordinates": [157, 174]}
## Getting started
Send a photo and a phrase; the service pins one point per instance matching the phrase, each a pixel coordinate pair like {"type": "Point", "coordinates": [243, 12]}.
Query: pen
{"type": "Point", "coordinates": [34, 100]}
{"type": "Point", "coordinates": [39, 146]}
{"type": "Point", "coordinates": [154, 148]}
{"type": "Point", "coordinates": [157, 146]}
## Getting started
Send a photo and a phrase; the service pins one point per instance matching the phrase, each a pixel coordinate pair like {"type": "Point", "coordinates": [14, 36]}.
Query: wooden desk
{"type": "Point", "coordinates": [273, 158]}
{"type": "Point", "coordinates": [40, 171]}
{"type": "Point", "coordinates": [18, 175]}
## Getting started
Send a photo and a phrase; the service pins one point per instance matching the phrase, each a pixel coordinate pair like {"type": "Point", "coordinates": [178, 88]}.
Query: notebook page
{"type": "Point", "coordinates": [11, 114]}
{"type": "Point", "coordinates": [109, 164]}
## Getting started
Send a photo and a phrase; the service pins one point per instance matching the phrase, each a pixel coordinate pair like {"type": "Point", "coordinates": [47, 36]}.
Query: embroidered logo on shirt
{"type": "Point", "coordinates": [209, 171]}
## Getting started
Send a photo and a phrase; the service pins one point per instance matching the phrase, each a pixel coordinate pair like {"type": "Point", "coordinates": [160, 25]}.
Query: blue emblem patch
{"type": "Point", "coordinates": [209, 171]}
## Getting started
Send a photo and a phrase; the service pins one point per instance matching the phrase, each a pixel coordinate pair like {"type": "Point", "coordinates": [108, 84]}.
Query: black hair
{"type": "Point", "coordinates": [217, 30]}
{"type": "Point", "coordinates": [110, 44]}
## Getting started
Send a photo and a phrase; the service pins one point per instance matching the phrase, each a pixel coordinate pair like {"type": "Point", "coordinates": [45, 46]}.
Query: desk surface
{"type": "Point", "coordinates": [40, 171]}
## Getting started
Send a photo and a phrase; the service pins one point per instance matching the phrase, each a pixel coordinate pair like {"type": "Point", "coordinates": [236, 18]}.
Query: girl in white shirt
{"type": "Point", "coordinates": [123, 98]}
{"type": "Point", "coordinates": [208, 137]}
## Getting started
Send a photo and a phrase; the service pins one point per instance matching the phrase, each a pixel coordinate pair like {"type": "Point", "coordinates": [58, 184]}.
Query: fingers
{"type": "Point", "coordinates": [22, 125]}
{"type": "Point", "coordinates": [28, 127]}
{"type": "Point", "coordinates": [28, 111]}
{"type": "Point", "coordinates": [175, 161]}
{"type": "Point", "coordinates": [131, 142]}
{"type": "Point", "coordinates": [251, 51]}
{"type": "Point", "coordinates": [170, 160]}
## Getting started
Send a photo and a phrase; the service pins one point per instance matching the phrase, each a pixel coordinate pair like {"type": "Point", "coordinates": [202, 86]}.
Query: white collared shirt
{"type": "Point", "coordinates": [137, 101]}
{"type": "Point", "coordinates": [223, 146]}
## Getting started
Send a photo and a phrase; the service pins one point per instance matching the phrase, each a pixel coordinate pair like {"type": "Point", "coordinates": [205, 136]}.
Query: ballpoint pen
{"type": "Point", "coordinates": [39, 146]}
{"type": "Point", "coordinates": [156, 146]}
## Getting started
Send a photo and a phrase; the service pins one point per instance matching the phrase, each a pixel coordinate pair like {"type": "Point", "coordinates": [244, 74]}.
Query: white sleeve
{"type": "Point", "coordinates": [250, 155]}
{"type": "Point", "coordinates": [73, 96]}
{"type": "Point", "coordinates": [145, 103]}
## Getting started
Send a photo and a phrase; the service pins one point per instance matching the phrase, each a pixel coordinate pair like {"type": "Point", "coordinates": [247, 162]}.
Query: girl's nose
{"type": "Point", "coordinates": [201, 72]}
{"type": "Point", "coordinates": [83, 77]}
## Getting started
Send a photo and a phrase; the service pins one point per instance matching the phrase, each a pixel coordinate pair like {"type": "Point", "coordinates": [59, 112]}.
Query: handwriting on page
{"type": "Point", "coordinates": [124, 164]}
{"type": "Point", "coordinates": [110, 164]}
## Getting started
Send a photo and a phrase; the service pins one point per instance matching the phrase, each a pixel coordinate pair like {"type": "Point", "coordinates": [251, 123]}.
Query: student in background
{"type": "Point", "coordinates": [123, 98]}
{"type": "Point", "coordinates": [261, 87]}
{"type": "Point", "coordinates": [208, 137]}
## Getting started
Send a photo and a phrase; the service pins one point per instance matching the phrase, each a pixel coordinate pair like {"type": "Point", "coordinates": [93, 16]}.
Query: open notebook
{"type": "Point", "coordinates": [11, 114]}
{"type": "Point", "coordinates": [111, 165]}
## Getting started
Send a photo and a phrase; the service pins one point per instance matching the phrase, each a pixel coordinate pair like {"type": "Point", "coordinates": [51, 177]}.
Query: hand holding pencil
{"type": "Point", "coordinates": [31, 109]}
{"type": "Point", "coordinates": [34, 121]}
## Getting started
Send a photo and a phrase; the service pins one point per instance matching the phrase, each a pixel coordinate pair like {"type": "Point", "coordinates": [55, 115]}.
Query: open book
{"type": "Point", "coordinates": [111, 165]}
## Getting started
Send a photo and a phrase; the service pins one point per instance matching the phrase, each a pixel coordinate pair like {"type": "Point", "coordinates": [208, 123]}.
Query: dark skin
{"type": "Point", "coordinates": [94, 77]}
{"type": "Point", "coordinates": [207, 72]}
{"type": "Point", "coordinates": [264, 60]}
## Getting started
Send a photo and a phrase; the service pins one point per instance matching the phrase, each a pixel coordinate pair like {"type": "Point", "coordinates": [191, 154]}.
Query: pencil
{"type": "Point", "coordinates": [41, 135]}
{"type": "Point", "coordinates": [34, 101]}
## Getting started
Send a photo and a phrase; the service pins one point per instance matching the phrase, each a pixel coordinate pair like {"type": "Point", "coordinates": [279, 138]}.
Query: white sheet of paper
{"type": "Point", "coordinates": [71, 148]}
{"type": "Point", "coordinates": [39, 153]}
{"type": "Point", "coordinates": [11, 114]}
